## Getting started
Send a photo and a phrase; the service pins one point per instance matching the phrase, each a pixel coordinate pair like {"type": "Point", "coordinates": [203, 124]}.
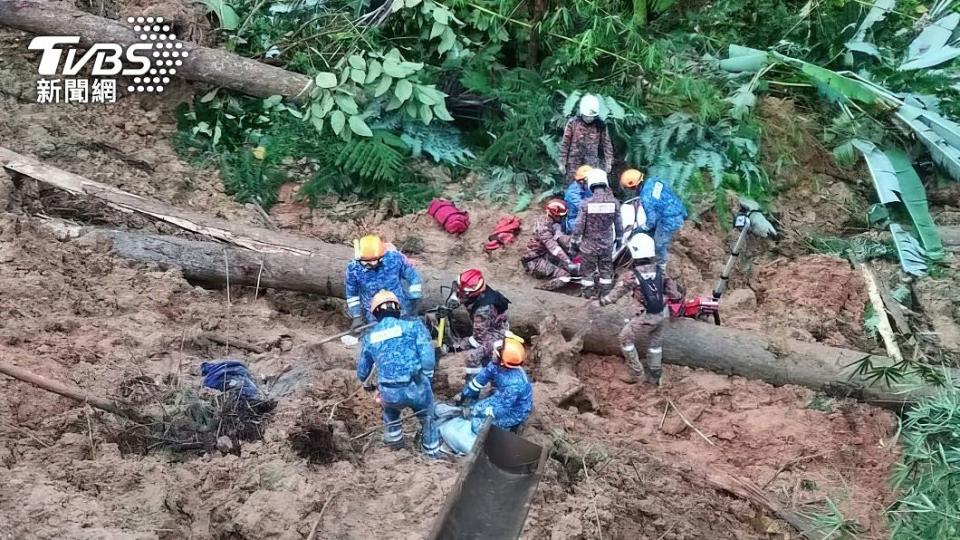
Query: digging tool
{"type": "Point", "coordinates": [493, 492]}
{"type": "Point", "coordinates": [328, 339]}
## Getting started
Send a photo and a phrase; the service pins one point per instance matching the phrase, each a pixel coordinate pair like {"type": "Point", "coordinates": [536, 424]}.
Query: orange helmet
{"type": "Point", "coordinates": [631, 178]}
{"type": "Point", "coordinates": [511, 353]}
{"type": "Point", "coordinates": [384, 300]}
{"type": "Point", "coordinates": [368, 249]}
{"type": "Point", "coordinates": [582, 172]}
{"type": "Point", "coordinates": [556, 208]}
{"type": "Point", "coordinates": [471, 282]}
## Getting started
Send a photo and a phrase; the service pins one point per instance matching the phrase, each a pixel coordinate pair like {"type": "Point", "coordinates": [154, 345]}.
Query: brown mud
{"type": "Point", "coordinates": [72, 312]}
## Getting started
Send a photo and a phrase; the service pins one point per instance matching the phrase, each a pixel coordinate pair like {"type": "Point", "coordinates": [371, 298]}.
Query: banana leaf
{"type": "Point", "coordinates": [909, 251]}
{"type": "Point", "coordinates": [876, 14]}
{"type": "Point", "coordinates": [936, 133]}
{"type": "Point", "coordinates": [935, 45]}
{"type": "Point", "coordinates": [884, 175]}
{"type": "Point", "coordinates": [914, 197]}
{"type": "Point", "coordinates": [744, 60]}
{"type": "Point", "coordinates": [836, 87]}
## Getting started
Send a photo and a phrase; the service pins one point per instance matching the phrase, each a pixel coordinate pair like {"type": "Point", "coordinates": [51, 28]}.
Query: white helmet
{"type": "Point", "coordinates": [641, 246]}
{"type": "Point", "coordinates": [589, 105]}
{"type": "Point", "coordinates": [596, 178]}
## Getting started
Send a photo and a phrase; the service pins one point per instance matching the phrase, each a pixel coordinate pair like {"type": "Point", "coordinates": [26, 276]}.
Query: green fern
{"type": "Point", "coordinates": [379, 158]}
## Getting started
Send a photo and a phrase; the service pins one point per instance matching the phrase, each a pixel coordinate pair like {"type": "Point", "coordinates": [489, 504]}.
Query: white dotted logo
{"type": "Point", "coordinates": [165, 58]}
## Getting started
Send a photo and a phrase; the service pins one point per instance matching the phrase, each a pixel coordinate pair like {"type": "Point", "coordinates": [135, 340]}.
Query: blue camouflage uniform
{"type": "Point", "coordinates": [665, 214]}
{"type": "Point", "coordinates": [511, 401]}
{"type": "Point", "coordinates": [403, 353]}
{"type": "Point", "coordinates": [363, 283]}
{"type": "Point", "coordinates": [574, 196]}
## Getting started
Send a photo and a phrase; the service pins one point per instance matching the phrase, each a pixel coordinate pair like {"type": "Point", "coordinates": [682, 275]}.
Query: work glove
{"type": "Point", "coordinates": [356, 323]}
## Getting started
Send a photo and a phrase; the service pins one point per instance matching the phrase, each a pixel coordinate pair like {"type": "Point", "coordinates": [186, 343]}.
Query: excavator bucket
{"type": "Point", "coordinates": [493, 492]}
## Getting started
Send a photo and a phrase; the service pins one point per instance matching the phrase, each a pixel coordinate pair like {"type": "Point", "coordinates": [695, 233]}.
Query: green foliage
{"type": "Point", "coordinates": [378, 159]}
{"type": "Point", "coordinates": [225, 13]}
{"type": "Point", "coordinates": [680, 146]}
{"type": "Point", "coordinates": [442, 142]}
{"type": "Point", "coordinates": [928, 475]}
{"type": "Point", "coordinates": [857, 248]}
{"type": "Point", "coordinates": [831, 524]}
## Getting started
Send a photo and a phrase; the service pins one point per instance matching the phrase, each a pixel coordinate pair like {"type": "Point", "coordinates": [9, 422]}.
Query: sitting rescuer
{"type": "Point", "coordinates": [546, 255]}
{"type": "Point", "coordinates": [403, 353]}
{"type": "Point", "coordinates": [598, 228]}
{"type": "Point", "coordinates": [650, 288]}
{"type": "Point", "coordinates": [488, 314]}
{"type": "Point", "coordinates": [376, 268]}
{"type": "Point", "coordinates": [512, 398]}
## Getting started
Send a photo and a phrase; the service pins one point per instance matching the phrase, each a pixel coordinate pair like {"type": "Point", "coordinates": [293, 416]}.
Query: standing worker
{"type": "Point", "coordinates": [663, 209]}
{"type": "Point", "coordinates": [586, 140]}
{"type": "Point", "coordinates": [546, 256]}
{"type": "Point", "coordinates": [512, 398]}
{"type": "Point", "coordinates": [403, 353]}
{"type": "Point", "coordinates": [597, 229]}
{"type": "Point", "coordinates": [488, 313]}
{"type": "Point", "coordinates": [576, 192]}
{"type": "Point", "coordinates": [650, 288]}
{"type": "Point", "coordinates": [375, 268]}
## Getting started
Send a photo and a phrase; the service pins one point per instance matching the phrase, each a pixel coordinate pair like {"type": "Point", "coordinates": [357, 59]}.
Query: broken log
{"type": "Point", "coordinates": [303, 264]}
{"type": "Point", "coordinates": [687, 343]}
{"type": "Point", "coordinates": [202, 64]}
{"type": "Point", "coordinates": [72, 393]}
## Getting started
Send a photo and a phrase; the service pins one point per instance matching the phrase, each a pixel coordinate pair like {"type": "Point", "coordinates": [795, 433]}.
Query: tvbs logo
{"type": "Point", "coordinates": [150, 62]}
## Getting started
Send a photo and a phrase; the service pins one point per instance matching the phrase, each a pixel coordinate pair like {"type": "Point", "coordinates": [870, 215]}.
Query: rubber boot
{"type": "Point", "coordinates": [634, 367]}
{"type": "Point", "coordinates": [654, 374]}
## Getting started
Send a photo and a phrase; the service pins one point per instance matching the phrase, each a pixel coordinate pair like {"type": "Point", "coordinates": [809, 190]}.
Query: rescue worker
{"type": "Point", "coordinates": [586, 140]}
{"type": "Point", "coordinates": [663, 209]}
{"type": "Point", "coordinates": [576, 192]}
{"type": "Point", "coordinates": [512, 398]}
{"type": "Point", "coordinates": [404, 357]}
{"type": "Point", "coordinates": [650, 288]}
{"type": "Point", "coordinates": [546, 256]}
{"type": "Point", "coordinates": [488, 314]}
{"type": "Point", "coordinates": [377, 268]}
{"type": "Point", "coordinates": [597, 229]}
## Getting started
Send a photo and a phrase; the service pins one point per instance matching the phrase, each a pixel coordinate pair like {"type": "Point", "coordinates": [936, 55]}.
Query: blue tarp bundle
{"type": "Point", "coordinates": [226, 375]}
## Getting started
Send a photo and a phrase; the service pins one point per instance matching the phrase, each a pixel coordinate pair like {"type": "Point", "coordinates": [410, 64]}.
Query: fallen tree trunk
{"type": "Point", "coordinates": [688, 343]}
{"type": "Point", "coordinates": [72, 393]}
{"type": "Point", "coordinates": [213, 66]}
{"type": "Point", "coordinates": [950, 237]}
{"type": "Point", "coordinates": [293, 262]}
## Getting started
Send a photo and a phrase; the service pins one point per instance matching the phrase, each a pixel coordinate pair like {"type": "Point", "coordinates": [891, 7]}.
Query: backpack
{"type": "Point", "coordinates": [505, 233]}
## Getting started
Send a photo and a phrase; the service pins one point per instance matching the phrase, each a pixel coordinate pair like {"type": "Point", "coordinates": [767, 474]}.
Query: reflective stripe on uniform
{"type": "Point", "coordinates": [655, 350]}
{"type": "Point", "coordinates": [605, 281]}
{"type": "Point", "coordinates": [431, 448]}
{"type": "Point", "coordinates": [473, 343]}
{"type": "Point", "coordinates": [586, 282]}
{"type": "Point", "coordinates": [383, 335]}
{"type": "Point", "coordinates": [393, 433]}
{"type": "Point", "coordinates": [353, 301]}
{"type": "Point", "coordinates": [416, 288]}
{"type": "Point", "coordinates": [657, 190]}
{"type": "Point", "coordinates": [475, 386]}
{"type": "Point", "coordinates": [429, 374]}
{"type": "Point", "coordinates": [629, 348]}
{"type": "Point", "coordinates": [472, 370]}
{"type": "Point", "coordinates": [601, 208]}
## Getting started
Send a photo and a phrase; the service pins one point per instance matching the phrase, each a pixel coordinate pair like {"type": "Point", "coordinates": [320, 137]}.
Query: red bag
{"type": "Point", "coordinates": [505, 233]}
{"type": "Point", "coordinates": [452, 219]}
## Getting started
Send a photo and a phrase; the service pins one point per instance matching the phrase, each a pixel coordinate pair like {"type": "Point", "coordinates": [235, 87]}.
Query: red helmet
{"type": "Point", "coordinates": [556, 208]}
{"type": "Point", "coordinates": [471, 283]}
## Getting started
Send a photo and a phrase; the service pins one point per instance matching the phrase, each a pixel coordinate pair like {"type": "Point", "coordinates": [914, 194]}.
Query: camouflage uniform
{"type": "Point", "coordinates": [490, 324]}
{"type": "Point", "coordinates": [644, 322]}
{"type": "Point", "coordinates": [581, 146]}
{"type": "Point", "coordinates": [596, 230]}
{"type": "Point", "coordinates": [546, 254]}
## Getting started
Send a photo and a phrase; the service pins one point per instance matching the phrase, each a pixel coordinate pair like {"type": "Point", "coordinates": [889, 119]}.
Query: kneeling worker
{"type": "Point", "coordinates": [512, 398]}
{"type": "Point", "coordinates": [546, 256]}
{"type": "Point", "coordinates": [404, 356]}
{"type": "Point", "coordinates": [650, 289]}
